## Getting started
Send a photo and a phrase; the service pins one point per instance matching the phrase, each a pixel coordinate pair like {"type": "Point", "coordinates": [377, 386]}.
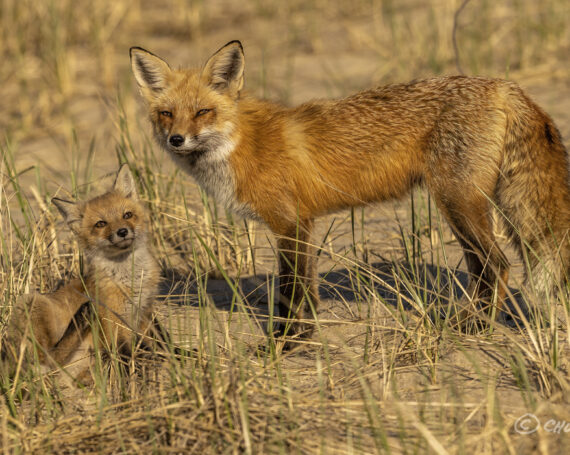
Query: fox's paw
{"type": "Point", "coordinates": [294, 333]}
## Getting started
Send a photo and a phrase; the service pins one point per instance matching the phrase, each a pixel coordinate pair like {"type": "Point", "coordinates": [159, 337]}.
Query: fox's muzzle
{"type": "Point", "coordinates": [122, 238]}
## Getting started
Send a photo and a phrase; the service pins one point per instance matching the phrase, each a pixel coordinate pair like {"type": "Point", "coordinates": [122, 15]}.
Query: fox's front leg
{"type": "Point", "coordinates": [298, 297]}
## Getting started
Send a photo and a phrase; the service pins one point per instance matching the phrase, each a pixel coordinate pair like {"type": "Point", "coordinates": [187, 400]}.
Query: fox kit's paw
{"type": "Point", "coordinates": [85, 378]}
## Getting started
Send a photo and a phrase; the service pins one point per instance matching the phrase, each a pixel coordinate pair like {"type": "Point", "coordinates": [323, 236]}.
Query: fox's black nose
{"type": "Point", "coordinates": [176, 140]}
{"type": "Point", "coordinates": [123, 232]}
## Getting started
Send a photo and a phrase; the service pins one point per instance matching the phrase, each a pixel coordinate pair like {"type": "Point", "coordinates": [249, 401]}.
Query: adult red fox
{"type": "Point", "coordinates": [476, 143]}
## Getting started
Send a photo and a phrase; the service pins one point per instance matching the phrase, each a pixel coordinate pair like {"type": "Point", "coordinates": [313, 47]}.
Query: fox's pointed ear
{"type": "Point", "coordinates": [71, 212]}
{"type": "Point", "coordinates": [225, 68]}
{"type": "Point", "coordinates": [151, 72]}
{"type": "Point", "coordinates": [125, 183]}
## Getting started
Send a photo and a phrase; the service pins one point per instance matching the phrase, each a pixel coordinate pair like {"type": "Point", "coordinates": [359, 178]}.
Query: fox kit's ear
{"type": "Point", "coordinates": [224, 69]}
{"type": "Point", "coordinates": [71, 212]}
{"type": "Point", "coordinates": [151, 72]}
{"type": "Point", "coordinates": [125, 183]}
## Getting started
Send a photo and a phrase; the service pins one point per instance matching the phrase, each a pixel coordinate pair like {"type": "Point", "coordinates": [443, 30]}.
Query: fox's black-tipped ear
{"type": "Point", "coordinates": [151, 72]}
{"type": "Point", "coordinates": [225, 68]}
{"type": "Point", "coordinates": [71, 212]}
{"type": "Point", "coordinates": [125, 183]}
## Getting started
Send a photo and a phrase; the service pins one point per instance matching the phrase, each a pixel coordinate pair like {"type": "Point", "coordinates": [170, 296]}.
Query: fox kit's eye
{"type": "Point", "coordinates": [128, 215]}
{"type": "Point", "coordinates": [202, 112]}
{"type": "Point", "coordinates": [100, 224]}
{"type": "Point", "coordinates": [166, 114]}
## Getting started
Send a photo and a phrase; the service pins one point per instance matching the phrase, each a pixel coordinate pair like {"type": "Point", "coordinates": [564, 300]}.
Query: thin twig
{"type": "Point", "coordinates": [454, 38]}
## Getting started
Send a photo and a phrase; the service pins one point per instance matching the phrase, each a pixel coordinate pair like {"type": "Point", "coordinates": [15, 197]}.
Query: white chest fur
{"type": "Point", "coordinates": [136, 276]}
{"type": "Point", "coordinates": [212, 171]}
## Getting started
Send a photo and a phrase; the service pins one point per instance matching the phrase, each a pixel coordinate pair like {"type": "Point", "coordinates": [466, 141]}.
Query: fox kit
{"type": "Point", "coordinates": [118, 288]}
{"type": "Point", "coordinates": [476, 143]}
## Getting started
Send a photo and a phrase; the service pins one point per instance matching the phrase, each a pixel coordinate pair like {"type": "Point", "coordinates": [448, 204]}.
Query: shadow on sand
{"type": "Point", "coordinates": [392, 283]}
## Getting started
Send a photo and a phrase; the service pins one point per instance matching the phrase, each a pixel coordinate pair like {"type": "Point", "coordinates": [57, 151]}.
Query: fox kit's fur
{"type": "Point", "coordinates": [476, 144]}
{"type": "Point", "coordinates": [117, 290]}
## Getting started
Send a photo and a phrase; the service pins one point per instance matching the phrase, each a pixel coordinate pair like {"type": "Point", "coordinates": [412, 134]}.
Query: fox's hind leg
{"type": "Point", "coordinates": [469, 214]}
{"type": "Point", "coordinates": [463, 170]}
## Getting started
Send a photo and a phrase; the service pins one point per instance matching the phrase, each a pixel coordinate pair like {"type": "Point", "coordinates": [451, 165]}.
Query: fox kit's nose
{"type": "Point", "coordinates": [123, 232]}
{"type": "Point", "coordinates": [176, 140]}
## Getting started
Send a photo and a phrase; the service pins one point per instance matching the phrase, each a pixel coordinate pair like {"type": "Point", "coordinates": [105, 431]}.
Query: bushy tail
{"type": "Point", "coordinates": [16, 332]}
{"type": "Point", "coordinates": [533, 191]}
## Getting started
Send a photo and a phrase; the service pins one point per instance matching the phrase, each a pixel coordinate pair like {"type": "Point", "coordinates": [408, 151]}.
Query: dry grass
{"type": "Point", "coordinates": [385, 372]}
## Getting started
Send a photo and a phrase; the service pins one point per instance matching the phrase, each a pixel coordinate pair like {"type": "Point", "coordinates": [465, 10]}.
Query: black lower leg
{"type": "Point", "coordinates": [298, 296]}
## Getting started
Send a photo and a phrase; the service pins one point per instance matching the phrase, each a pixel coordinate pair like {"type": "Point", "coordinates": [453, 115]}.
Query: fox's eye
{"type": "Point", "coordinates": [202, 112]}
{"type": "Point", "coordinates": [166, 114]}
{"type": "Point", "coordinates": [100, 224]}
{"type": "Point", "coordinates": [128, 215]}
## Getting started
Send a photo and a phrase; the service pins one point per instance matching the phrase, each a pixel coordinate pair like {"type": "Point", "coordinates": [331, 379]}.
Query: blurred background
{"type": "Point", "coordinates": [66, 88]}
